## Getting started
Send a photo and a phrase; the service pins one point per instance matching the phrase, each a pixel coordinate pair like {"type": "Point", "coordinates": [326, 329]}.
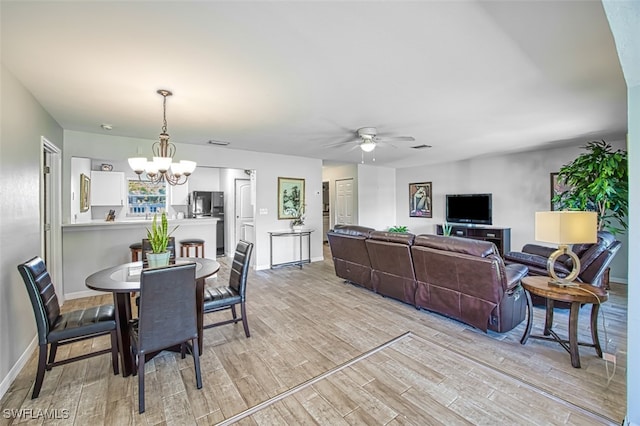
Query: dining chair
{"type": "Point", "coordinates": [56, 328]}
{"type": "Point", "coordinates": [167, 318]}
{"type": "Point", "coordinates": [227, 297]}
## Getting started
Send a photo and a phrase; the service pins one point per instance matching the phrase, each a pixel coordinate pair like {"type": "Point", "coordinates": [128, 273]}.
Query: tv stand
{"type": "Point", "coordinates": [501, 237]}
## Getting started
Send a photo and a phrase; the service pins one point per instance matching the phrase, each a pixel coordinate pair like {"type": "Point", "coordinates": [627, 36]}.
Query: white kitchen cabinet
{"type": "Point", "coordinates": [179, 194]}
{"type": "Point", "coordinates": [107, 188]}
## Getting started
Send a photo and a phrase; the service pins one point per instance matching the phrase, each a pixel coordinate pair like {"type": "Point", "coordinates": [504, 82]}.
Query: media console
{"type": "Point", "coordinates": [501, 237]}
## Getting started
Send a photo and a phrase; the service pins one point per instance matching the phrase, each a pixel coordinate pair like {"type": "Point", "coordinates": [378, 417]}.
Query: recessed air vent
{"type": "Point", "coordinates": [219, 143]}
{"type": "Point", "coordinates": [423, 146]}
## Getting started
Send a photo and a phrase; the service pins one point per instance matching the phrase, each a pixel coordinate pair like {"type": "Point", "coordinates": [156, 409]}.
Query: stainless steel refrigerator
{"type": "Point", "coordinates": [209, 204]}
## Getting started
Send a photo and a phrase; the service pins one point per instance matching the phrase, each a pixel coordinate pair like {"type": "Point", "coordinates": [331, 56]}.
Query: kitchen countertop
{"type": "Point", "coordinates": [140, 222]}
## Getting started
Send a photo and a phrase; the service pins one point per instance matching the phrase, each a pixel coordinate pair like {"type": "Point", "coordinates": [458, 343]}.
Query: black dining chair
{"type": "Point", "coordinates": [56, 328]}
{"type": "Point", "coordinates": [227, 297]}
{"type": "Point", "coordinates": [167, 318]}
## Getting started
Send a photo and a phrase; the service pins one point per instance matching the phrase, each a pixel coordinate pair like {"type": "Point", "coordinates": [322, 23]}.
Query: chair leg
{"type": "Point", "coordinates": [114, 351]}
{"type": "Point", "coordinates": [244, 319]}
{"type": "Point", "coordinates": [52, 355]}
{"type": "Point", "coordinates": [233, 312]}
{"type": "Point", "coordinates": [42, 364]}
{"type": "Point", "coordinates": [141, 358]}
{"type": "Point", "coordinates": [196, 362]}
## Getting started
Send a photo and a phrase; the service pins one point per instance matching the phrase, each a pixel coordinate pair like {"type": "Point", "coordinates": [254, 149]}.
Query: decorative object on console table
{"type": "Point", "coordinates": [298, 223]}
{"type": "Point", "coordinates": [398, 229]}
{"type": "Point", "coordinates": [85, 192]}
{"type": "Point", "coordinates": [501, 237]}
{"type": "Point", "coordinates": [158, 237]}
{"type": "Point", "coordinates": [290, 197]}
{"type": "Point", "coordinates": [420, 200]}
{"type": "Point", "coordinates": [564, 228]}
{"type": "Point", "coordinates": [446, 229]}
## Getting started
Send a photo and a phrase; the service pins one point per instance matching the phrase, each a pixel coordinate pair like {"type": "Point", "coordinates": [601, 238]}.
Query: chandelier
{"type": "Point", "coordinates": [157, 170]}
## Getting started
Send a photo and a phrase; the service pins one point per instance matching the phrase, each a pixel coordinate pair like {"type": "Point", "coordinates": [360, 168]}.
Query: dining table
{"type": "Point", "coordinates": [122, 280]}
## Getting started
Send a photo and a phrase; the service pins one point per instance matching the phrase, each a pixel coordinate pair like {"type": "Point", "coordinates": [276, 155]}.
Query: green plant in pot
{"type": "Point", "coordinates": [597, 180]}
{"type": "Point", "coordinates": [446, 229]}
{"type": "Point", "coordinates": [400, 229]}
{"type": "Point", "coordinates": [158, 237]}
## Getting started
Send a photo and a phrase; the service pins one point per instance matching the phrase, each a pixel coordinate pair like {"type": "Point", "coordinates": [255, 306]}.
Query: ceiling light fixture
{"type": "Point", "coordinates": [368, 145]}
{"type": "Point", "coordinates": [157, 169]}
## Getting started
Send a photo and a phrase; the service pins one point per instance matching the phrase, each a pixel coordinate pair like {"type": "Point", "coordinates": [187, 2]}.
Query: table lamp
{"type": "Point", "coordinates": [564, 228]}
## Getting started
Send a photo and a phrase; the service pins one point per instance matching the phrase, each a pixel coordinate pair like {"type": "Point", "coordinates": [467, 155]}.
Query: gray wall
{"type": "Point", "coordinates": [519, 183]}
{"type": "Point", "coordinates": [23, 122]}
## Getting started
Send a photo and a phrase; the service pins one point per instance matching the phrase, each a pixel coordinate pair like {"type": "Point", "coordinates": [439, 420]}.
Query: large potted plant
{"type": "Point", "coordinates": [597, 181]}
{"type": "Point", "coordinates": [158, 237]}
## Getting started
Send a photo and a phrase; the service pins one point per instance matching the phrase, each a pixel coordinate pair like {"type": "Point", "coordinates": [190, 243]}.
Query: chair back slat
{"type": "Point", "coordinates": [167, 312]}
{"type": "Point", "coordinates": [42, 294]}
{"type": "Point", "coordinates": [240, 268]}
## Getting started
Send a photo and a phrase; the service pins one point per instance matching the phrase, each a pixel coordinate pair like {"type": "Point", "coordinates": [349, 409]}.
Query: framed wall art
{"type": "Point", "coordinates": [420, 200]}
{"type": "Point", "coordinates": [85, 192]}
{"type": "Point", "coordinates": [290, 197]}
{"type": "Point", "coordinates": [557, 188]}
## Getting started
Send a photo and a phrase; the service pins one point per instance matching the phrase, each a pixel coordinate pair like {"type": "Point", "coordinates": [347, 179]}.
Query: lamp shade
{"type": "Point", "coordinates": [567, 227]}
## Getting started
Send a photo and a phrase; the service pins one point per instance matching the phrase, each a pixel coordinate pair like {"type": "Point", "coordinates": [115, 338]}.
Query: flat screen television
{"type": "Point", "coordinates": [469, 208]}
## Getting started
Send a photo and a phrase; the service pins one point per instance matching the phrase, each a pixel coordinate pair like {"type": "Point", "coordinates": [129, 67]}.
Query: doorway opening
{"type": "Point", "coordinates": [51, 213]}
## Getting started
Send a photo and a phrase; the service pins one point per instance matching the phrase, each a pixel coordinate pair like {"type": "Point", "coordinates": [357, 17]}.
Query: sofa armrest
{"type": "Point", "coordinates": [535, 262]}
{"type": "Point", "coordinates": [515, 274]}
{"type": "Point", "coordinates": [538, 250]}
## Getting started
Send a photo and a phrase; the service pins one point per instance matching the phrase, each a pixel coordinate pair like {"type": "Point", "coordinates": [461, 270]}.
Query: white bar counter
{"type": "Point", "coordinates": [92, 246]}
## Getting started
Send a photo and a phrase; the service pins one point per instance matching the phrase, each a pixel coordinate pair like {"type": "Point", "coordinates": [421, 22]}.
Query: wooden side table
{"type": "Point", "coordinates": [576, 296]}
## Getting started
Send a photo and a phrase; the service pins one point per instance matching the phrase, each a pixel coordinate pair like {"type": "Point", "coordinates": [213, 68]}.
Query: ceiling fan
{"type": "Point", "coordinates": [367, 138]}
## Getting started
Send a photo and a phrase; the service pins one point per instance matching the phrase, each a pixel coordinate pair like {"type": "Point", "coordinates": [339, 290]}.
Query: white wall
{"type": "Point", "coordinates": [22, 124]}
{"type": "Point", "coordinates": [376, 196]}
{"type": "Point", "coordinates": [520, 186]}
{"type": "Point", "coordinates": [268, 167]}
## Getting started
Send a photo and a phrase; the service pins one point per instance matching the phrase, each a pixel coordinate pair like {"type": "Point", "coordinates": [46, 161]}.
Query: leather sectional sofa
{"type": "Point", "coordinates": [461, 278]}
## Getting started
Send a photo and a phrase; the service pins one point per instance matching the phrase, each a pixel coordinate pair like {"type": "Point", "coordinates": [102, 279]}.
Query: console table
{"type": "Point", "coordinates": [295, 234]}
{"type": "Point", "coordinates": [501, 237]}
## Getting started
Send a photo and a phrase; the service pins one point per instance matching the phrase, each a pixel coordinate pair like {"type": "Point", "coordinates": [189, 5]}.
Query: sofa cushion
{"type": "Point", "coordinates": [461, 245]}
{"type": "Point", "coordinates": [352, 230]}
{"type": "Point", "coordinates": [393, 237]}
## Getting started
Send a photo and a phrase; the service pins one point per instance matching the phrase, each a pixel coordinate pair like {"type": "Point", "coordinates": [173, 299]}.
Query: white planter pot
{"type": "Point", "coordinates": [158, 259]}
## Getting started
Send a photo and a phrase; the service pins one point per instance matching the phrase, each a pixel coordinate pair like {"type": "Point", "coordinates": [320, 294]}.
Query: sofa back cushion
{"type": "Point", "coordinates": [392, 265]}
{"type": "Point", "coordinates": [461, 278]}
{"type": "Point", "coordinates": [468, 246]}
{"type": "Point", "coordinates": [349, 252]}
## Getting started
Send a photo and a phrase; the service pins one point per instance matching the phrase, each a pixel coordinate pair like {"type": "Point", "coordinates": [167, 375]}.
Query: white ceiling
{"type": "Point", "coordinates": [468, 77]}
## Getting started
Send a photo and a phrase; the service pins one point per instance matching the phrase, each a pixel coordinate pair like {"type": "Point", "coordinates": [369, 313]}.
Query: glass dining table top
{"type": "Point", "coordinates": [126, 277]}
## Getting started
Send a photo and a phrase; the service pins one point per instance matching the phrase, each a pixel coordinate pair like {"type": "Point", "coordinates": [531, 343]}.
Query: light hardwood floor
{"type": "Point", "coordinates": [325, 352]}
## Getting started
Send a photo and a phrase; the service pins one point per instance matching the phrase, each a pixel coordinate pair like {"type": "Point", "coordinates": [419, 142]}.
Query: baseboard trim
{"type": "Point", "coordinates": [81, 294]}
{"type": "Point", "coordinates": [18, 366]}
{"type": "Point", "coordinates": [618, 280]}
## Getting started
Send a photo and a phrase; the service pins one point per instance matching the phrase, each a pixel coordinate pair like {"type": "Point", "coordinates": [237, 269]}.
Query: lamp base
{"type": "Point", "coordinates": [567, 281]}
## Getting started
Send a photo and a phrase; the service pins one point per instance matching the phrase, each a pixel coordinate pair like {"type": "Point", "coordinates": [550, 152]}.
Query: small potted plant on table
{"type": "Point", "coordinates": [158, 237]}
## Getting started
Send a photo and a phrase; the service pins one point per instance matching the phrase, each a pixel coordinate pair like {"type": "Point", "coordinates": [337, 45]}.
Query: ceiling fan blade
{"type": "Point", "coordinates": [344, 141]}
{"type": "Point", "coordinates": [394, 139]}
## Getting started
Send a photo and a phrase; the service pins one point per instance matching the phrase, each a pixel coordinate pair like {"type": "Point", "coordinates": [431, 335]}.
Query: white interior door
{"type": "Point", "coordinates": [344, 202]}
{"type": "Point", "coordinates": [243, 208]}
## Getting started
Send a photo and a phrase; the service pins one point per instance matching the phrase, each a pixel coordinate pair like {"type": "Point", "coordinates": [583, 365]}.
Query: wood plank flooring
{"type": "Point", "coordinates": [325, 352]}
